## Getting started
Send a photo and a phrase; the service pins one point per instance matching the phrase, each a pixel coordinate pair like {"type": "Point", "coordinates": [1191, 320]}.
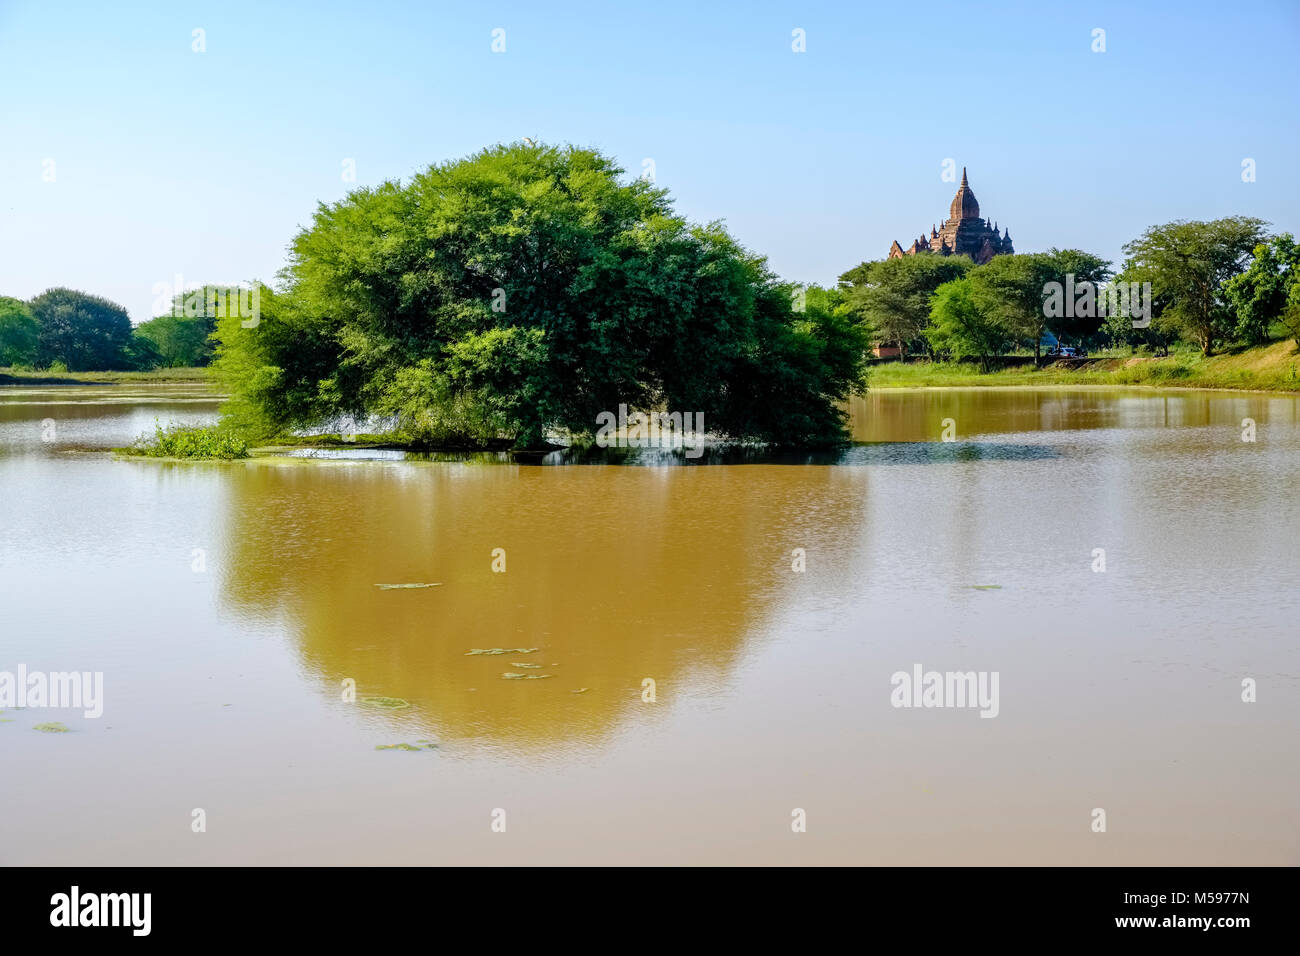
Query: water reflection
{"type": "Point", "coordinates": [616, 575]}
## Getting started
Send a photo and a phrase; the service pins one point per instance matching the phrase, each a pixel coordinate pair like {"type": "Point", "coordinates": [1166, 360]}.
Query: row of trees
{"type": "Point", "coordinates": [76, 331]}
{"type": "Point", "coordinates": [1210, 283]}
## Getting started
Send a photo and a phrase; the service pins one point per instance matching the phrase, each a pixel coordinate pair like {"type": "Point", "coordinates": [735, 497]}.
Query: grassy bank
{"type": "Point", "coordinates": [11, 376]}
{"type": "Point", "coordinates": [1274, 368]}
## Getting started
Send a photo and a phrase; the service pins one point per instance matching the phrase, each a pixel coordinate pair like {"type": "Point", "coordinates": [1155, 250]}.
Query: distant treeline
{"type": "Point", "coordinates": [66, 330]}
{"type": "Point", "coordinates": [1208, 284]}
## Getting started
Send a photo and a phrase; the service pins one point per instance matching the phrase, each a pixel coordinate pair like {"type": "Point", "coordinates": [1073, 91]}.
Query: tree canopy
{"type": "Point", "coordinates": [85, 332]}
{"type": "Point", "coordinates": [19, 333]}
{"type": "Point", "coordinates": [524, 290]}
{"type": "Point", "coordinates": [963, 328]}
{"type": "Point", "coordinates": [1189, 264]}
{"type": "Point", "coordinates": [1261, 293]}
{"type": "Point", "coordinates": [893, 295]}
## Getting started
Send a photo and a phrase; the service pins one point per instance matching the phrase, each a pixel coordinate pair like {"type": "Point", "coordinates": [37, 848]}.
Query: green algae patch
{"type": "Point", "coordinates": [51, 728]}
{"type": "Point", "coordinates": [502, 650]}
{"type": "Point", "coordinates": [986, 587]}
{"type": "Point", "coordinates": [396, 747]}
{"type": "Point", "coordinates": [400, 587]}
{"type": "Point", "coordinates": [386, 703]}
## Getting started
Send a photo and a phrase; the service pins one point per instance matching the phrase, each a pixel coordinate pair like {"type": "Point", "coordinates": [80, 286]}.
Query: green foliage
{"type": "Point", "coordinates": [186, 441]}
{"type": "Point", "coordinates": [894, 295]}
{"type": "Point", "coordinates": [1291, 314]}
{"type": "Point", "coordinates": [1009, 291]}
{"type": "Point", "coordinates": [273, 371]}
{"type": "Point", "coordinates": [179, 341]}
{"type": "Point", "coordinates": [141, 354]}
{"type": "Point", "coordinates": [1259, 295]}
{"type": "Point", "coordinates": [18, 333]}
{"type": "Point", "coordinates": [84, 332]}
{"type": "Point", "coordinates": [1188, 265]}
{"type": "Point", "coordinates": [1057, 266]}
{"type": "Point", "coordinates": [525, 290]}
{"type": "Point", "coordinates": [962, 328]}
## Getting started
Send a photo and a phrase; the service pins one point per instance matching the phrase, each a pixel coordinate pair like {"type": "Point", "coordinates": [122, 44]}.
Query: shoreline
{"type": "Point", "coordinates": [1272, 368]}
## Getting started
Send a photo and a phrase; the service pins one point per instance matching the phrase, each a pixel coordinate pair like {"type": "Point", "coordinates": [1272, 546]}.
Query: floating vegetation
{"type": "Point", "coordinates": [398, 587]}
{"type": "Point", "coordinates": [502, 650]}
{"type": "Point", "coordinates": [386, 703]}
{"type": "Point", "coordinates": [986, 587]}
{"type": "Point", "coordinates": [512, 676]}
{"type": "Point", "coordinates": [52, 728]}
{"type": "Point", "coordinates": [521, 664]}
{"type": "Point", "coordinates": [580, 690]}
{"type": "Point", "coordinates": [397, 747]}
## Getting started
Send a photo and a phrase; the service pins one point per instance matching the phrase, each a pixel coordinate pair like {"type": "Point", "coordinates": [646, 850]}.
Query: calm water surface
{"type": "Point", "coordinates": [225, 685]}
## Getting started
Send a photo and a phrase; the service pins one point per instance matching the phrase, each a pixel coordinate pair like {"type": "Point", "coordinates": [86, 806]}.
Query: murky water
{"type": "Point", "coordinates": [229, 606]}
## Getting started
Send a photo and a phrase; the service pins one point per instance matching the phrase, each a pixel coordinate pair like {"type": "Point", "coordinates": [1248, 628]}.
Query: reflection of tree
{"type": "Point", "coordinates": [616, 573]}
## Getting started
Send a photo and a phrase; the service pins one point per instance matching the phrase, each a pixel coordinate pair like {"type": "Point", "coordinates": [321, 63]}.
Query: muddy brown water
{"type": "Point", "coordinates": [231, 606]}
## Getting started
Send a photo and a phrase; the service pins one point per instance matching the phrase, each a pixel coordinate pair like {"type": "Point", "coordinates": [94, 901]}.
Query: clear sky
{"type": "Point", "coordinates": [169, 161]}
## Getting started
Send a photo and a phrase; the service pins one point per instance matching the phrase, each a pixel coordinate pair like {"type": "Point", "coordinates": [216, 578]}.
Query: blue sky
{"type": "Point", "coordinates": [169, 161]}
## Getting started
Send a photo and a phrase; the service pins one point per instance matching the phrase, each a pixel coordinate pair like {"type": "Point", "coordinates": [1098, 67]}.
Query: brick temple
{"type": "Point", "coordinates": [963, 233]}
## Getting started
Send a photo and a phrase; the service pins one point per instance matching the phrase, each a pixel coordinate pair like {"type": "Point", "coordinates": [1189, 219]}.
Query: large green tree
{"type": "Point", "coordinates": [1085, 273]}
{"type": "Point", "coordinates": [1009, 290]}
{"type": "Point", "coordinates": [963, 328]}
{"type": "Point", "coordinates": [18, 333]}
{"type": "Point", "coordinates": [1031, 293]}
{"type": "Point", "coordinates": [85, 332]}
{"type": "Point", "coordinates": [524, 290]}
{"type": "Point", "coordinates": [1259, 295]}
{"type": "Point", "coordinates": [1189, 264]}
{"type": "Point", "coordinates": [894, 295]}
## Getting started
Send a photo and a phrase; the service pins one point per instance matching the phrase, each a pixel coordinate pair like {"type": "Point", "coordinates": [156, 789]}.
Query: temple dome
{"type": "Point", "coordinates": [964, 204]}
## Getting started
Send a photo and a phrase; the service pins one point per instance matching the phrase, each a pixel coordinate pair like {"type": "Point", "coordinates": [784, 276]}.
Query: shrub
{"type": "Point", "coordinates": [189, 441]}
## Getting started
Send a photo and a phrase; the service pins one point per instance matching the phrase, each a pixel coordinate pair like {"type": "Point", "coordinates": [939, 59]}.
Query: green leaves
{"type": "Point", "coordinates": [1261, 294]}
{"type": "Point", "coordinates": [84, 332]}
{"type": "Point", "coordinates": [522, 291]}
{"type": "Point", "coordinates": [1188, 265]}
{"type": "Point", "coordinates": [894, 295]}
{"type": "Point", "coordinates": [964, 329]}
{"type": "Point", "coordinates": [18, 333]}
{"type": "Point", "coordinates": [187, 441]}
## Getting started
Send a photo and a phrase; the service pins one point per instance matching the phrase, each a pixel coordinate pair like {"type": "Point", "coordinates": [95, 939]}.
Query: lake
{"type": "Point", "coordinates": [232, 608]}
